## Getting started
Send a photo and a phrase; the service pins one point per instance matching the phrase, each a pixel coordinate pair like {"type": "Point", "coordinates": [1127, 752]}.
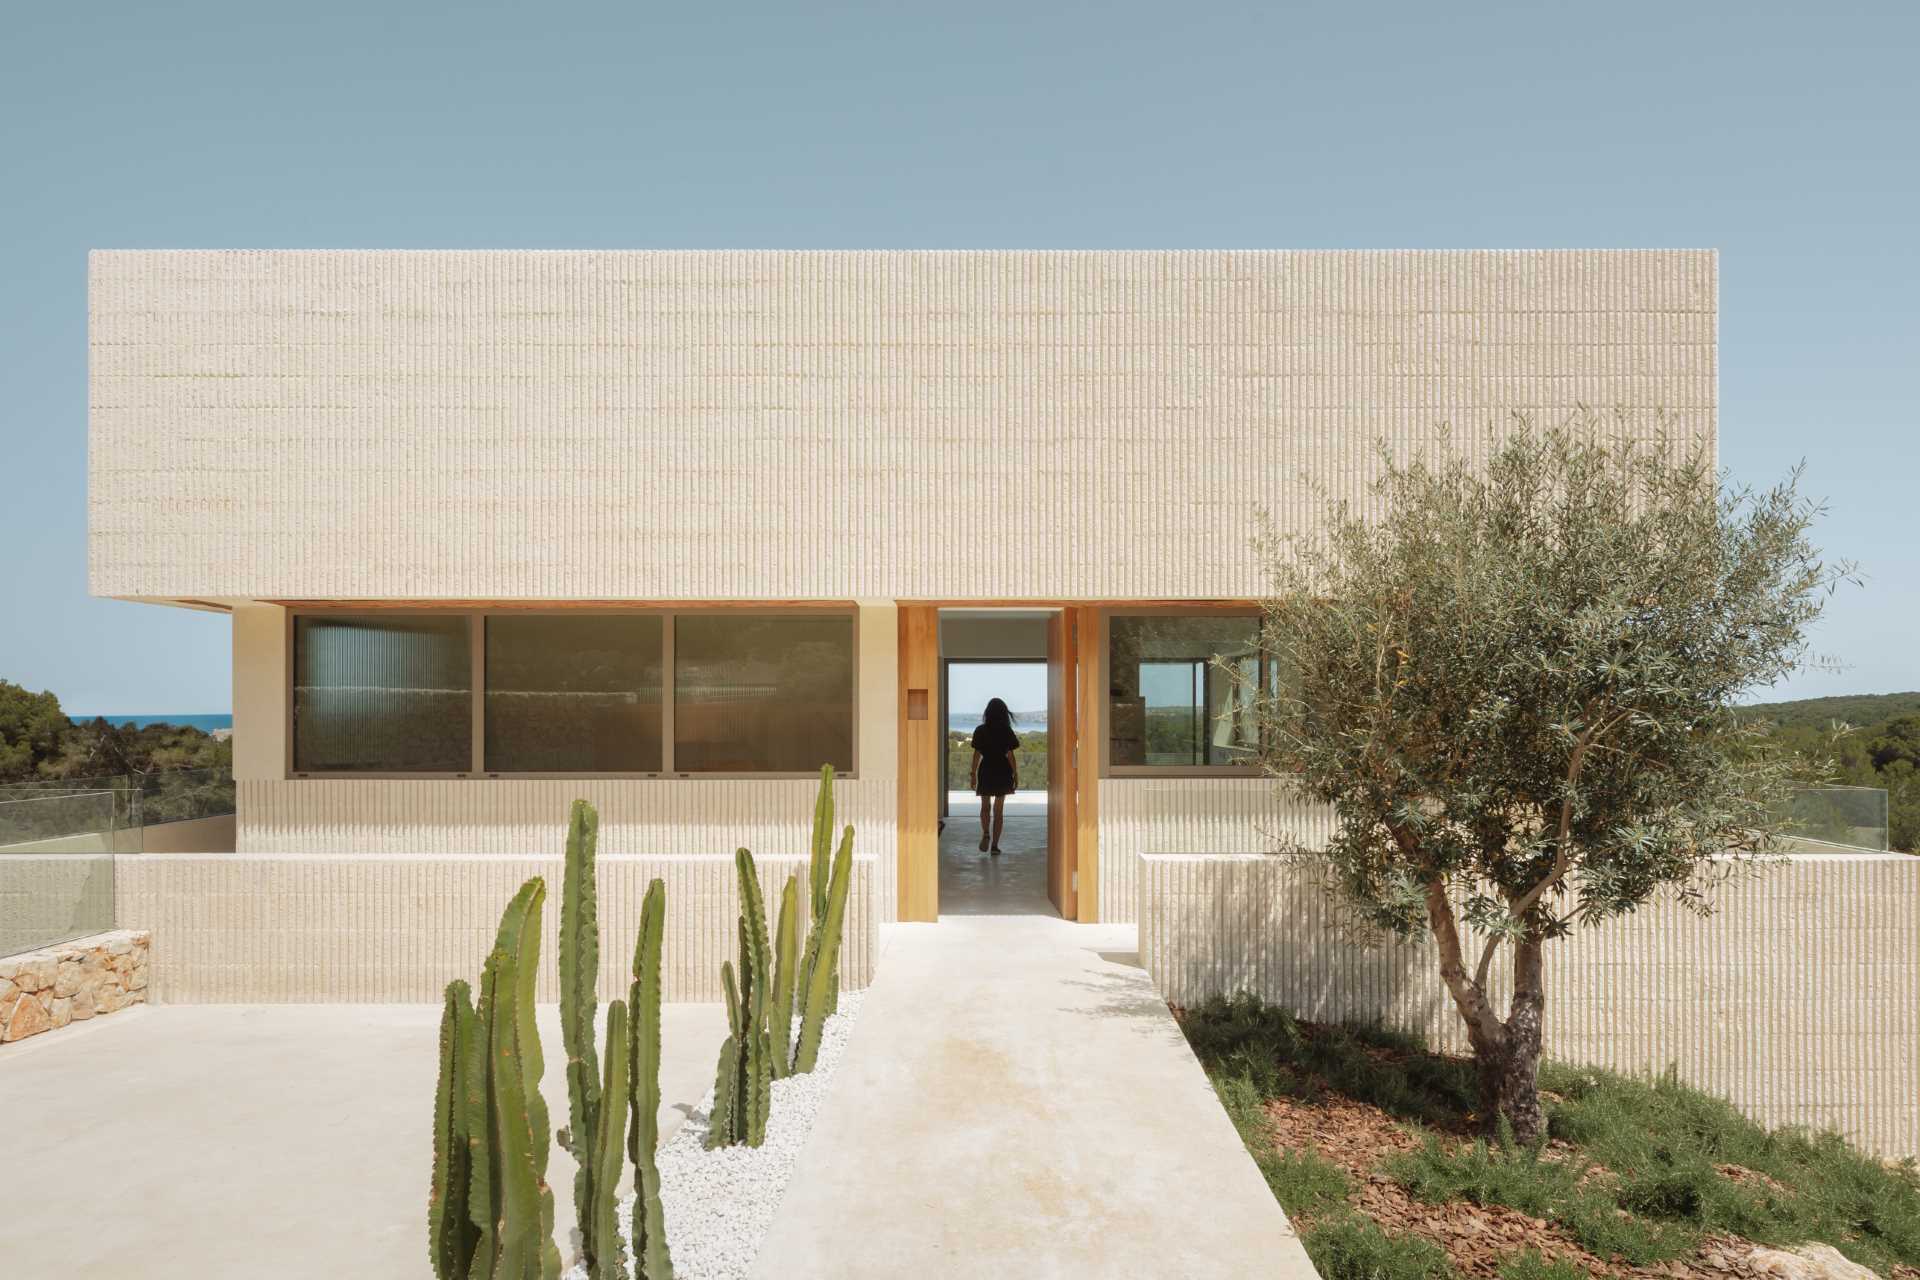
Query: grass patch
{"type": "Point", "coordinates": [1531, 1264]}
{"type": "Point", "coordinates": [1352, 1248]}
{"type": "Point", "coordinates": [1675, 1164]}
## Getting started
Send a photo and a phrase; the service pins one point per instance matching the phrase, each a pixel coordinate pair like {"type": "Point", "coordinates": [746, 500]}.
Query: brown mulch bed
{"type": "Point", "coordinates": [1476, 1238]}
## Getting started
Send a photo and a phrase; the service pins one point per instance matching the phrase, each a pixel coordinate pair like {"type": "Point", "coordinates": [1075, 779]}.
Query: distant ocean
{"type": "Point", "coordinates": [206, 723]}
{"type": "Point", "coordinates": [1023, 721]}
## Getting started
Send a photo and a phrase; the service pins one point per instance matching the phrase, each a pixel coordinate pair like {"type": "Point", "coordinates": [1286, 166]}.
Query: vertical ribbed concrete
{"type": "Point", "coordinates": [816, 425]}
{"type": "Point", "coordinates": [319, 928]}
{"type": "Point", "coordinates": [1798, 999]}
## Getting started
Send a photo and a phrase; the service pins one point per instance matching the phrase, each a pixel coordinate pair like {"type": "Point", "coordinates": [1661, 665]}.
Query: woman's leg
{"type": "Point", "coordinates": [986, 821]}
{"type": "Point", "coordinates": [999, 820]}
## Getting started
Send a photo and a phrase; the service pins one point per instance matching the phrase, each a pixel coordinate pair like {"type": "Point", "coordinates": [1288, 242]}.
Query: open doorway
{"type": "Point", "coordinates": [993, 853]}
{"type": "Point", "coordinates": [945, 653]}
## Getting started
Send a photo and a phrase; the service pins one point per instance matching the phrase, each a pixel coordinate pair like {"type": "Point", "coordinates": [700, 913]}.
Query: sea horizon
{"type": "Point", "coordinates": [206, 721]}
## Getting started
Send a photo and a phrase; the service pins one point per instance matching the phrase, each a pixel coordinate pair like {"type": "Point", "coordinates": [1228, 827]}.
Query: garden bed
{"type": "Point", "coordinates": [1370, 1144]}
{"type": "Point", "coordinates": [719, 1204]}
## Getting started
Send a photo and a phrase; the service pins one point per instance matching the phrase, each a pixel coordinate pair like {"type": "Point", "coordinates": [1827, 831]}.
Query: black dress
{"type": "Point", "coordinates": [996, 774]}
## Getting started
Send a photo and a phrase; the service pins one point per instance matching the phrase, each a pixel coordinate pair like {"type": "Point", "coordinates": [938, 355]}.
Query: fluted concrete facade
{"type": "Point", "coordinates": [320, 928]}
{"type": "Point", "coordinates": [1798, 999]}
{"type": "Point", "coordinates": [820, 425]}
{"type": "Point", "coordinates": [665, 426]}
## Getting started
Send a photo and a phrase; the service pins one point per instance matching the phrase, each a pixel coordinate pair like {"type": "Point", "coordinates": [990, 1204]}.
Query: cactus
{"type": "Point", "coordinates": [743, 1091]}
{"type": "Point", "coordinates": [821, 996]}
{"type": "Point", "coordinates": [451, 1233]}
{"type": "Point", "coordinates": [488, 1102]}
{"type": "Point", "coordinates": [817, 866]}
{"type": "Point", "coordinates": [650, 1257]}
{"type": "Point", "coordinates": [522, 1201]}
{"type": "Point", "coordinates": [579, 978]}
{"type": "Point", "coordinates": [786, 960]}
{"type": "Point", "coordinates": [609, 1260]}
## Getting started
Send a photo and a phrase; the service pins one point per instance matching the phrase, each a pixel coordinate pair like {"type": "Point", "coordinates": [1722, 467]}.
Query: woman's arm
{"type": "Point", "coordinates": [973, 774]}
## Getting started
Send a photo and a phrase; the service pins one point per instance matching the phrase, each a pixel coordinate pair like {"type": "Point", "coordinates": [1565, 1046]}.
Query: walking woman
{"type": "Point", "coordinates": [994, 771]}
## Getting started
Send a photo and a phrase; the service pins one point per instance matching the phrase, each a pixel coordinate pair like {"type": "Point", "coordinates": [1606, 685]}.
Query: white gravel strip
{"type": "Point", "coordinates": [720, 1203]}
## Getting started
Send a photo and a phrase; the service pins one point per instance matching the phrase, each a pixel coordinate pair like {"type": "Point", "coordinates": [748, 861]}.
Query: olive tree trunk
{"type": "Point", "coordinates": [1506, 1052]}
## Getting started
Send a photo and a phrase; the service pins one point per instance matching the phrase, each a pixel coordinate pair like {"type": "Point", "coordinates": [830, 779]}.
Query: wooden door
{"type": "Point", "coordinates": [1063, 764]}
{"type": "Point", "coordinates": [921, 741]}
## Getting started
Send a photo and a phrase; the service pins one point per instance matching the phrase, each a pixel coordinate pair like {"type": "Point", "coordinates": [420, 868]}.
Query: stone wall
{"type": "Point", "coordinates": [51, 988]}
{"type": "Point", "coordinates": [1798, 999]}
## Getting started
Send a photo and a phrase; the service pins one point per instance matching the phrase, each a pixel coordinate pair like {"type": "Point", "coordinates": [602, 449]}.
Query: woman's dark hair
{"type": "Point", "coordinates": [998, 715]}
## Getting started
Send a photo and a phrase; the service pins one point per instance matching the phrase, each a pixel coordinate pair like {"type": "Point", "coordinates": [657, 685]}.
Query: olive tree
{"type": "Point", "coordinates": [1514, 683]}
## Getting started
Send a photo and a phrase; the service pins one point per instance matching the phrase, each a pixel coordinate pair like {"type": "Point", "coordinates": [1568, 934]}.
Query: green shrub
{"type": "Point", "coordinates": [1240, 1036]}
{"type": "Point", "coordinates": [1485, 1174]}
{"type": "Point", "coordinates": [1531, 1264]}
{"type": "Point", "coordinates": [1607, 1231]}
{"type": "Point", "coordinates": [1351, 1248]}
{"type": "Point", "coordinates": [1303, 1181]}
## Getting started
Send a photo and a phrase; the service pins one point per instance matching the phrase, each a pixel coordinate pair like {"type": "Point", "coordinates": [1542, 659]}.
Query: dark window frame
{"type": "Point", "coordinates": [1108, 769]}
{"type": "Point", "coordinates": [476, 623]}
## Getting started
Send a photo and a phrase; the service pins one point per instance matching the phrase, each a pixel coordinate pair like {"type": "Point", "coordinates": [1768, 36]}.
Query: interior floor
{"type": "Point", "coordinates": [973, 883]}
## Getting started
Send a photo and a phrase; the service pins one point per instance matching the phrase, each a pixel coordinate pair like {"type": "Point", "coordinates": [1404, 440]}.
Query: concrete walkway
{"type": "Point", "coordinates": [1017, 1101]}
{"type": "Point", "coordinates": [211, 1141]}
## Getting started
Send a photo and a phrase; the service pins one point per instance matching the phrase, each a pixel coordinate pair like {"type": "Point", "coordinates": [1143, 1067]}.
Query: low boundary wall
{"type": "Point", "coordinates": [1798, 999]}
{"type": "Point", "coordinates": [317, 928]}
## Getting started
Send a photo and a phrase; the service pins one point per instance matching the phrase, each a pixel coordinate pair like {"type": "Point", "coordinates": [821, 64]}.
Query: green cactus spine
{"type": "Point", "coordinates": [451, 1233]}
{"type": "Point", "coordinates": [786, 962]}
{"type": "Point", "coordinates": [579, 996]}
{"type": "Point", "coordinates": [726, 1075]}
{"type": "Point", "coordinates": [650, 1256]}
{"type": "Point", "coordinates": [817, 869]}
{"type": "Point", "coordinates": [522, 1203]}
{"type": "Point", "coordinates": [821, 996]}
{"type": "Point", "coordinates": [609, 1151]}
{"type": "Point", "coordinates": [743, 1090]}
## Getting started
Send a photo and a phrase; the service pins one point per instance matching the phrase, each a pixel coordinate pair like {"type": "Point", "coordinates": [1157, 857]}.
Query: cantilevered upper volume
{"type": "Point", "coordinates": [815, 425]}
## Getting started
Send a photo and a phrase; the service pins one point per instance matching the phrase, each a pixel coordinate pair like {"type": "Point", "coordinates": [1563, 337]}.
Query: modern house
{"type": "Point", "coordinates": [670, 530]}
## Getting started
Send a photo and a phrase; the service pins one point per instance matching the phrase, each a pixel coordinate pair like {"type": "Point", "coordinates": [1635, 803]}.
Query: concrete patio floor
{"type": "Point", "coordinates": [1017, 1101]}
{"type": "Point", "coordinates": [289, 1141]}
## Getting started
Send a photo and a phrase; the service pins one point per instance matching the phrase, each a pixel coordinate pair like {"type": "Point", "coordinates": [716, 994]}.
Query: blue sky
{"type": "Point", "coordinates": [1782, 134]}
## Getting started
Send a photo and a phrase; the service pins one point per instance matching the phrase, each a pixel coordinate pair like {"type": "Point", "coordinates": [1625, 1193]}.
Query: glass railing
{"type": "Point", "coordinates": [141, 800]}
{"type": "Point", "coordinates": [56, 867]}
{"type": "Point", "coordinates": [1836, 819]}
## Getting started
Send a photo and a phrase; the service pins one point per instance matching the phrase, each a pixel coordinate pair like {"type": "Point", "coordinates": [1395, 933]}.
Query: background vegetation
{"type": "Point", "coordinates": [175, 771]}
{"type": "Point", "coordinates": [1881, 748]}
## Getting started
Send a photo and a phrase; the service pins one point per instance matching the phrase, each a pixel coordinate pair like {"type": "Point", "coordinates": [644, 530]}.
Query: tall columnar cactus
{"type": "Point", "coordinates": [609, 1261]}
{"type": "Point", "coordinates": [451, 1233]}
{"type": "Point", "coordinates": [579, 996]}
{"type": "Point", "coordinates": [817, 868]}
{"type": "Point", "coordinates": [490, 1068]}
{"type": "Point", "coordinates": [786, 963]}
{"type": "Point", "coordinates": [743, 1084]}
{"type": "Point", "coordinates": [650, 1256]}
{"type": "Point", "coordinates": [821, 996]}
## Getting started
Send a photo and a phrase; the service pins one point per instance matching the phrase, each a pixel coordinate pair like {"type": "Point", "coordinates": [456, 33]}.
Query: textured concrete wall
{"type": "Point", "coordinates": [1191, 815]}
{"type": "Point", "coordinates": [246, 929]}
{"type": "Point", "coordinates": [1799, 999]}
{"type": "Point", "coordinates": [732, 425]}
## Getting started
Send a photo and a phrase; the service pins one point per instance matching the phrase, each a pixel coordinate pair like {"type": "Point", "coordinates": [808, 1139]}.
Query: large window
{"type": "Point", "coordinates": [762, 694]}
{"type": "Point", "coordinates": [1180, 689]}
{"type": "Point", "coordinates": [636, 693]}
{"type": "Point", "coordinates": [573, 693]}
{"type": "Point", "coordinates": [382, 693]}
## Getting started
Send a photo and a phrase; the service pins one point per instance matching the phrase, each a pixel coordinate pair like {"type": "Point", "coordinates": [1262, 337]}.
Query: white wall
{"type": "Point", "coordinates": [815, 425]}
